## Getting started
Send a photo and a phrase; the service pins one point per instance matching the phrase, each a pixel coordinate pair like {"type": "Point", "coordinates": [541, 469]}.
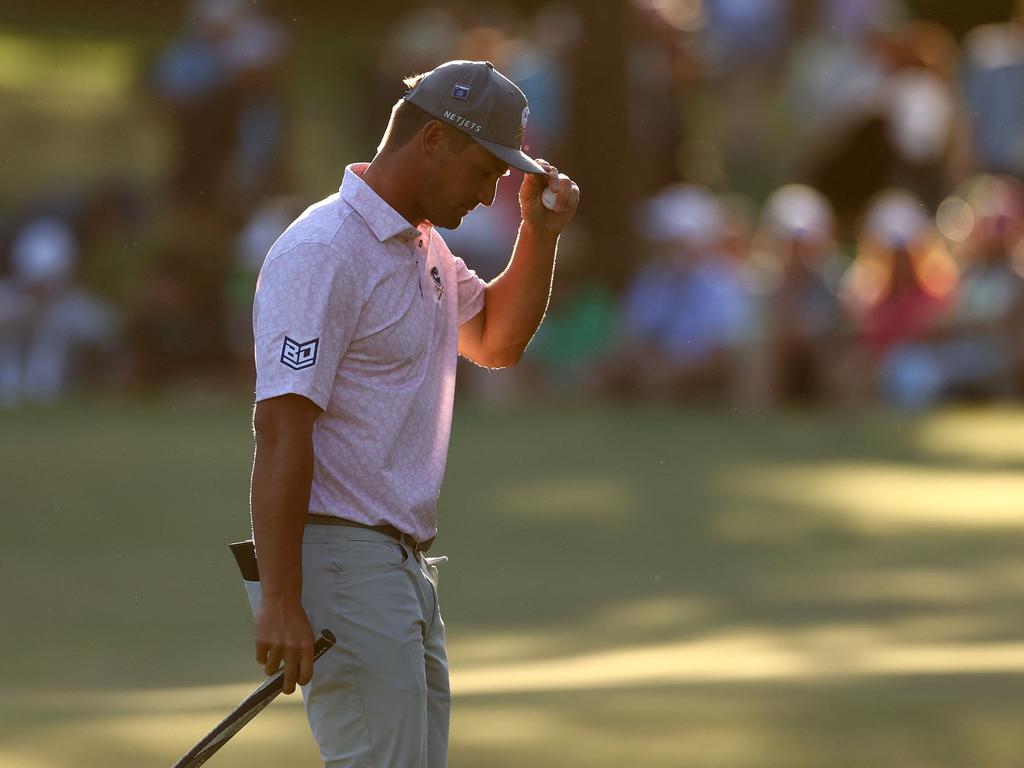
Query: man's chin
{"type": "Point", "coordinates": [452, 221]}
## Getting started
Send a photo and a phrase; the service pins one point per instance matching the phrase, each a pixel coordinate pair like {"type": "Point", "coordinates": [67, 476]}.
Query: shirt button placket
{"type": "Point", "coordinates": [419, 272]}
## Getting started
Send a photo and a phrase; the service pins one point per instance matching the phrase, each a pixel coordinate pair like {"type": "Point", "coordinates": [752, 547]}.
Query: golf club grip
{"type": "Point", "coordinates": [251, 706]}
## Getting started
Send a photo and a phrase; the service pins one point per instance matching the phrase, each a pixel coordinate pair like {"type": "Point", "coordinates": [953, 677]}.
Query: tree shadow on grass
{"type": "Point", "coordinates": [690, 528]}
{"type": "Point", "coordinates": [582, 528]}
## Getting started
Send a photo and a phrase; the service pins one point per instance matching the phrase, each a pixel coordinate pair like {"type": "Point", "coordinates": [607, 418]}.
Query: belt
{"type": "Point", "coordinates": [386, 528]}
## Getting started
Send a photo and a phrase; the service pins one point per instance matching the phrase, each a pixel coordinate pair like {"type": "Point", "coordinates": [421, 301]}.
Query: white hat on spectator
{"type": "Point", "coordinates": [896, 218]}
{"type": "Point", "coordinates": [44, 253]}
{"type": "Point", "coordinates": [796, 211]}
{"type": "Point", "coordinates": [682, 213]}
{"type": "Point", "coordinates": [921, 112]}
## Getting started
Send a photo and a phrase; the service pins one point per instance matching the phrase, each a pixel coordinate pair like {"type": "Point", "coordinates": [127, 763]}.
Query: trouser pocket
{"type": "Point", "coordinates": [430, 566]}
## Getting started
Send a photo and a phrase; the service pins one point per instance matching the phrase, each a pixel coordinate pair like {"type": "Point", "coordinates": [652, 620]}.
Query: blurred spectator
{"type": "Point", "coordinates": [793, 272]}
{"type": "Point", "coordinates": [745, 36]}
{"type": "Point", "coordinates": [743, 46]}
{"type": "Point", "coordinates": [927, 119]}
{"type": "Point", "coordinates": [255, 50]}
{"type": "Point", "coordinates": [897, 288]}
{"type": "Point", "coordinates": [906, 130]}
{"type": "Point", "coordinates": [220, 87]}
{"type": "Point", "coordinates": [979, 347]}
{"type": "Point", "coordinates": [834, 72]}
{"type": "Point", "coordinates": [221, 84]}
{"type": "Point", "coordinates": [994, 84]}
{"type": "Point", "coordinates": [55, 331]}
{"type": "Point", "coordinates": [658, 69]}
{"type": "Point", "coordinates": [191, 80]}
{"type": "Point", "coordinates": [686, 310]}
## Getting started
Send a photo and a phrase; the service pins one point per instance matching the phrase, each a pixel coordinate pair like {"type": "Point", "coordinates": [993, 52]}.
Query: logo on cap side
{"type": "Point", "coordinates": [522, 128]}
{"type": "Point", "coordinates": [462, 122]}
{"type": "Point", "coordinates": [460, 92]}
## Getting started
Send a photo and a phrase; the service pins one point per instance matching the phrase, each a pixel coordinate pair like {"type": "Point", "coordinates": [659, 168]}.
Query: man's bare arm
{"type": "Point", "coordinates": [516, 300]}
{"type": "Point", "coordinates": [281, 477]}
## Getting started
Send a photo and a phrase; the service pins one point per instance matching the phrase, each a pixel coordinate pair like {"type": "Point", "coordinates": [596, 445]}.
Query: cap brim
{"type": "Point", "coordinates": [514, 157]}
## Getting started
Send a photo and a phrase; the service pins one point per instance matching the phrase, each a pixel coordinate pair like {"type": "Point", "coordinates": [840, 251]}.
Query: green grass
{"type": "Point", "coordinates": [638, 585]}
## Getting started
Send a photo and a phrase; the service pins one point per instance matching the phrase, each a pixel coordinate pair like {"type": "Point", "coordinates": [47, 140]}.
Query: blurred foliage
{"type": "Point", "coordinates": [959, 18]}
{"type": "Point", "coordinates": [83, 98]}
{"type": "Point", "coordinates": [158, 15]}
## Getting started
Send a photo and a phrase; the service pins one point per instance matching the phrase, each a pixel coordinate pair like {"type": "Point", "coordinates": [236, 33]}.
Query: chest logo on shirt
{"type": "Point", "coordinates": [298, 355]}
{"type": "Point", "coordinates": [435, 275]}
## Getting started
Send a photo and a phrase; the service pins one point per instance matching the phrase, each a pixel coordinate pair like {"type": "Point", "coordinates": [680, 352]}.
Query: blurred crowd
{"type": "Point", "coordinates": [828, 207]}
{"type": "Point", "coordinates": [771, 309]}
{"type": "Point", "coordinates": [116, 286]}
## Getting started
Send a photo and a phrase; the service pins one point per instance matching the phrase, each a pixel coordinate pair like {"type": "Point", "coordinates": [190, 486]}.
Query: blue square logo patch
{"type": "Point", "coordinates": [298, 355]}
{"type": "Point", "coordinates": [460, 92]}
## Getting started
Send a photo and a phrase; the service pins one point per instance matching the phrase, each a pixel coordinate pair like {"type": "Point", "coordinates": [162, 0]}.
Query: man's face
{"type": "Point", "coordinates": [457, 179]}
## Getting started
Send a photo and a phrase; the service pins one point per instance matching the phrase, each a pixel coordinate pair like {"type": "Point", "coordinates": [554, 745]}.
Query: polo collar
{"type": "Point", "coordinates": [383, 220]}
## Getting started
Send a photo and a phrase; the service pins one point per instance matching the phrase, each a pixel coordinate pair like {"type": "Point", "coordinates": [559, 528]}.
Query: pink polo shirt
{"type": "Point", "coordinates": [359, 312]}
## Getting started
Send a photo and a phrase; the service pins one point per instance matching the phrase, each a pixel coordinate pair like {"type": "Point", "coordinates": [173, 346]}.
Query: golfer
{"type": "Point", "coordinates": [359, 315]}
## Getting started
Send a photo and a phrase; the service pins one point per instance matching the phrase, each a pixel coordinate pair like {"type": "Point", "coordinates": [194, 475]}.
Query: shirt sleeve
{"type": "Point", "coordinates": [305, 311]}
{"type": "Point", "coordinates": [471, 291]}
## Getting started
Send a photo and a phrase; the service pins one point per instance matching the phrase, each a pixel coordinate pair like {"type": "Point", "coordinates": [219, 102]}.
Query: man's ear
{"type": "Point", "coordinates": [432, 138]}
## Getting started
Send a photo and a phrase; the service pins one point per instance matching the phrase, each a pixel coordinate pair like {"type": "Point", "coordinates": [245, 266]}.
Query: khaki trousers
{"type": "Point", "coordinates": [380, 697]}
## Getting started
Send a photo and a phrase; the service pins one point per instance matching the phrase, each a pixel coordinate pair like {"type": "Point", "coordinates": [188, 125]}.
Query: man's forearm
{"type": "Point", "coordinates": [281, 477]}
{"type": "Point", "coordinates": [518, 298]}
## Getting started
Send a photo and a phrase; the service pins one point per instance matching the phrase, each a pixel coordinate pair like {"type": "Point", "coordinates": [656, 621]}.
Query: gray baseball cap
{"type": "Point", "coordinates": [478, 100]}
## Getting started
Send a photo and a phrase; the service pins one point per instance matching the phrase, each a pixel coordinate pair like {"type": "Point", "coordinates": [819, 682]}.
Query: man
{"type": "Point", "coordinates": [359, 315]}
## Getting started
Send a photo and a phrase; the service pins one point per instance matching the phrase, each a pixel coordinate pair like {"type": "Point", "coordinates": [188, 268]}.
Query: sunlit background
{"type": "Point", "coordinates": [753, 498]}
